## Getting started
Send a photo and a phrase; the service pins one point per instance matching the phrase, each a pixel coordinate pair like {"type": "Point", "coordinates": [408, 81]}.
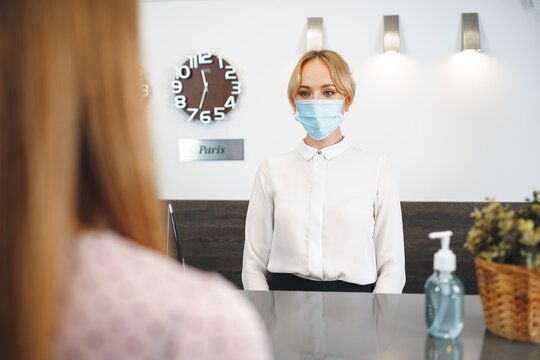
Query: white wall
{"type": "Point", "coordinates": [456, 128]}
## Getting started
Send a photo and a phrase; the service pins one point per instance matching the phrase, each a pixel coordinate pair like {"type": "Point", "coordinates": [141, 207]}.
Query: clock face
{"type": "Point", "coordinates": [206, 87]}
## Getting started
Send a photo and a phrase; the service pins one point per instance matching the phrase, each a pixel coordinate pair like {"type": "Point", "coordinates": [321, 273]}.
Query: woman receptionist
{"type": "Point", "coordinates": [325, 216]}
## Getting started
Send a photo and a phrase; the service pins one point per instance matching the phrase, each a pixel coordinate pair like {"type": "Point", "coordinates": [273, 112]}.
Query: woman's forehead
{"type": "Point", "coordinates": [316, 73]}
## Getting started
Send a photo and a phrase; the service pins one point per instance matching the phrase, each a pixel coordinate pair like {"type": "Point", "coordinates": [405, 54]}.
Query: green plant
{"type": "Point", "coordinates": [507, 236]}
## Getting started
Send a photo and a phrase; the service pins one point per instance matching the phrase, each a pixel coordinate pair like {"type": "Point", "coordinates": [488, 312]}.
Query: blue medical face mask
{"type": "Point", "coordinates": [319, 117]}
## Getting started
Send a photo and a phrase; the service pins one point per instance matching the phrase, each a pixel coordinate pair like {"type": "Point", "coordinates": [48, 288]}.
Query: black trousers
{"type": "Point", "coordinates": [281, 281]}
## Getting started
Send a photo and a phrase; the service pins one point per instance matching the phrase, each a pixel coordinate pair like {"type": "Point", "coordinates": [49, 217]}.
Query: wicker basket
{"type": "Point", "coordinates": [510, 300]}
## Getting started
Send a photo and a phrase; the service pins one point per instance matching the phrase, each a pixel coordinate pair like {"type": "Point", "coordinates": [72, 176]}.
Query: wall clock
{"type": "Point", "coordinates": [206, 87]}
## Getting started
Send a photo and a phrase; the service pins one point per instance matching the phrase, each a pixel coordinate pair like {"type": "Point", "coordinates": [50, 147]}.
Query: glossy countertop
{"type": "Point", "coordinates": [330, 325]}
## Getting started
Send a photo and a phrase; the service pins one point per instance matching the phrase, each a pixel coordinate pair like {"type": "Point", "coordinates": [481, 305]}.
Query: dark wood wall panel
{"type": "Point", "coordinates": [421, 218]}
{"type": "Point", "coordinates": [212, 234]}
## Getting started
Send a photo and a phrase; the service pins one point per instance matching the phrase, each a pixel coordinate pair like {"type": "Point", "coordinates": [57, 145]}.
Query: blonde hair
{"type": "Point", "coordinates": [339, 71]}
{"type": "Point", "coordinates": [73, 152]}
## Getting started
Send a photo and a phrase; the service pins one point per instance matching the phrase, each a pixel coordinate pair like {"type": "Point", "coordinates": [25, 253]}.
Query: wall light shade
{"type": "Point", "coordinates": [391, 33]}
{"type": "Point", "coordinates": [470, 32]}
{"type": "Point", "coordinates": [314, 37]}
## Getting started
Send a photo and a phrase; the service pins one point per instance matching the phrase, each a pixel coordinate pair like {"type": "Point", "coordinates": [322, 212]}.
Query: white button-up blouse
{"type": "Point", "coordinates": [328, 214]}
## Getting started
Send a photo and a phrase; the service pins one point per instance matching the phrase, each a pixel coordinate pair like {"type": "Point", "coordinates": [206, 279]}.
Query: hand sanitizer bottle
{"type": "Point", "coordinates": [444, 293]}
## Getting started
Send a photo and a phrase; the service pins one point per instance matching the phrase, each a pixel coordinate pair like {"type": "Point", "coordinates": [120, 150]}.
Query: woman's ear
{"type": "Point", "coordinates": [347, 103]}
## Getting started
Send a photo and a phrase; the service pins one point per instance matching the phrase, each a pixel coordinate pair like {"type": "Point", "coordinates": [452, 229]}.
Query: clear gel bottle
{"type": "Point", "coordinates": [444, 293]}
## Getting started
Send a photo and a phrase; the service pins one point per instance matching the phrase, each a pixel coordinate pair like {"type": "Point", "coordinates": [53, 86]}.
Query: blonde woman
{"type": "Point", "coordinates": [81, 273]}
{"type": "Point", "coordinates": [326, 216]}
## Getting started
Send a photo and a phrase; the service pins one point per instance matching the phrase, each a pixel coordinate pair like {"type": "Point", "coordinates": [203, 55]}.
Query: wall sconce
{"type": "Point", "coordinates": [314, 37]}
{"type": "Point", "coordinates": [391, 33]}
{"type": "Point", "coordinates": [470, 32]}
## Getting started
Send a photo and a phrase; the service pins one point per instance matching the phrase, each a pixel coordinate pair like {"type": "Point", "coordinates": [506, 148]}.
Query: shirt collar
{"type": "Point", "coordinates": [329, 152]}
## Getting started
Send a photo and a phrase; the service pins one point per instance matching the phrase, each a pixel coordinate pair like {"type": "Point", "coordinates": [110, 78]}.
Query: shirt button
{"type": "Point", "coordinates": [319, 152]}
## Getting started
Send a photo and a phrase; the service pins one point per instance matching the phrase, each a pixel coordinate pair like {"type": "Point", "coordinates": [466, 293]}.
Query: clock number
{"type": "Point", "coordinates": [145, 87]}
{"type": "Point", "coordinates": [230, 103]}
{"type": "Point", "coordinates": [205, 57]}
{"type": "Point", "coordinates": [177, 86]}
{"type": "Point", "coordinates": [205, 117]}
{"type": "Point", "coordinates": [193, 61]}
{"type": "Point", "coordinates": [235, 87]}
{"type": "Point", "coordinates": [182, 72]}
{"type": "Point", "coordinates": [219, 113]}
{"type": "Point", "coordinates": [145, 90]}
{"type": "Point", "coordinates": [180, 102]}
{"type": "Point", "coordinates": [220, 61]}
{"type": "Point", "coordinates": [230, 73]}
{"type": "Point", "coordinates": [194, 112]}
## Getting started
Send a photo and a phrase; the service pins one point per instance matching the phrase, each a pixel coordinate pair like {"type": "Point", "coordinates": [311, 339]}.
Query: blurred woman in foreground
{"type": "Point", "coordinates": [81, 276]}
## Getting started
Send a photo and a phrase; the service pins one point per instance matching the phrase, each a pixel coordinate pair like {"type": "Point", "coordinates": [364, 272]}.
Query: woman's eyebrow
{"type": "Point", "coordinates": [323, 86]}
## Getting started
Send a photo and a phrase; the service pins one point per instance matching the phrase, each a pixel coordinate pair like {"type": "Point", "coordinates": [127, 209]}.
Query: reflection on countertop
{"type": "Point", "coordinates": [444, 349]}
{"type": "Point", "coordinates": [316, 325]}
{"type": "Point", "coordinates": [331, 326]}
{"type": "Point", "coordinates": [496, 347]}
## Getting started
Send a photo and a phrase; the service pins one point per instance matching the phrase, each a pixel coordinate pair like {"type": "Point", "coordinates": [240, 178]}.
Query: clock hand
{"type": "Point", "coordinates": [203, 96]}
{"type": "Point", "coordinates": [204, 79]}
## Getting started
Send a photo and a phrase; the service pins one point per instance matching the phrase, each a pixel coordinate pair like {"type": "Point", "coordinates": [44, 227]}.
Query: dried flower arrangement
{"type": "Point", "coordinates": [507, 236]}
{"type": "Point", "coordinates": [507, 247]}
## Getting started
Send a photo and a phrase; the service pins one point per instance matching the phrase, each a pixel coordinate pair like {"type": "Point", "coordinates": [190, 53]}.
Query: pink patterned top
{"type": "Point", "coordinates": [123, 301]}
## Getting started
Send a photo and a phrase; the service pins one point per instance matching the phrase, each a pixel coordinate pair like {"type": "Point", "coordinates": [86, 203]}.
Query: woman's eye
{"type": "Point", "coordinates": [328, 93]}
{"type": "Point", "coordinates": [303, 93]}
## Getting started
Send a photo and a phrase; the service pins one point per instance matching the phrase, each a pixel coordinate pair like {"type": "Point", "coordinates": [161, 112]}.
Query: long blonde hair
{"type": "Point", "coordinates": [73, 152]}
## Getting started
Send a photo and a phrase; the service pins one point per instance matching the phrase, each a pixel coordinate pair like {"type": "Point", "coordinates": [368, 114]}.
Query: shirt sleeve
{"type": "Point", "coordinates": [388, 233]}
{"type": "Point", "coordinates": [259, 230]}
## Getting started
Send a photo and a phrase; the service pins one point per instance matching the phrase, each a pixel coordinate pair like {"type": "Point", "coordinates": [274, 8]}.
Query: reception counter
{"type": "Point", "coordinates": [315, 325]}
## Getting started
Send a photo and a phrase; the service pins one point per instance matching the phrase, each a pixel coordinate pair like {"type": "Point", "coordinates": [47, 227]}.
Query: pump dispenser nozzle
{"type": "Point", "coordinates": [444, 259]}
